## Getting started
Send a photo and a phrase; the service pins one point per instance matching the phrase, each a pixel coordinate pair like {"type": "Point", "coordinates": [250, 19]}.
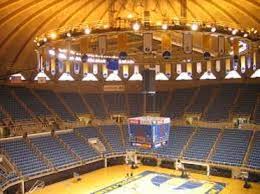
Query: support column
{"type": "Point", "coordinates": [208, 170]}
{"type": "Point", "coordinates": [22, 187]}
{"type": "Point", "coordinates": [105, 162]}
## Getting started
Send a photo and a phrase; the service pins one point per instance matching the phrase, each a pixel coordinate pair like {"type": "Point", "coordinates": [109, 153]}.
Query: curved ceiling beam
{"type": "Point", "coordinates": [242, 9]}
{"type": "Point", "coordinates": [37, 29]}
{"type": "Point", "coordinates": [200, 5]}
{"type": "Point", "coordinates": [172, 7]}
{"type": "Point", "coordinates": [64, 23]}
{"type": "Point", "coordinates": [27, 20]}
{"type": "Point", "coordinates": [9, 16]}
{"type": "Point", "coordinates": [7, 3]}
{"type": "Point", "coordinates": [224, 11]}
{"type": "Point", "coordinates": [254, 2]}
{"type": "Point", "coordinates": [92, 10]}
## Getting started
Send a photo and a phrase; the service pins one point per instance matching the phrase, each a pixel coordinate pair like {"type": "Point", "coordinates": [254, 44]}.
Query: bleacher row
{"type": "Point", "coordinates": [228, 147]}
{"type": "Point", "coordinates": [215, 103]}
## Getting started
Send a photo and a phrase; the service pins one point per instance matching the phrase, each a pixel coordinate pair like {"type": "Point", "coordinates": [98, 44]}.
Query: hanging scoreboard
{"type": "Point", "coordinates": [148, 132]}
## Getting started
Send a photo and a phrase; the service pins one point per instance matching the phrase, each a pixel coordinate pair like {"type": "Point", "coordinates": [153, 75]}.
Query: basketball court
{"type": "Point", "coordinates": [113, 180]}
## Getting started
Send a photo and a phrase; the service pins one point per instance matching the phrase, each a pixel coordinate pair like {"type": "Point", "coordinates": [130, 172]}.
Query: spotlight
{"type": "Point", "coordinates": [38, 44]}
{"type": "Point", "coordinates": [45, 39]}
{"type": "Point", "coordinates": [87, 30]}
{"type": "Point", "coordinates": [234, 32]}
{"type": "Point", "coordinates": [129, 16]}
{"type": "Point", "coordinates": [245, 35]}
{"type": "Point", "coordinates": [136, 26]}
{"type": "Point", "coordinates": [213, 29]}
{"type": "Point", "coordinates": [194, 27]}
{"type": "Point", "coordinates": [164, 26]}
{"type": "Point", "coordinates": [53, 35]}
{"type": "Point", "coordinates": [68, 34]}
{"type": "Point", "coordinates": [255, 31]}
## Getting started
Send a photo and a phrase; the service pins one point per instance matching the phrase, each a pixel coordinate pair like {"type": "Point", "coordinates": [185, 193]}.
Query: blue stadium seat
{"type": "Point", "coordinates": [52, 149]}
{"type": "Point", "coordinates": [254, 157]}
{"type": "Point", "coordinates": [24, 158]}
{"type": "Point", "coordinates": [232, 147]}
{"type": "Point", "coordinates": [201, 144]}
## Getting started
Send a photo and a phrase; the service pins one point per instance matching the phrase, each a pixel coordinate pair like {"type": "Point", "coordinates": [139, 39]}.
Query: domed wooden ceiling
{"type": "Point", "coordinates": [22, 20]}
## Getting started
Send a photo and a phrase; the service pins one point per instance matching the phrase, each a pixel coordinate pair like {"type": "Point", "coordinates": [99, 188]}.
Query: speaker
{"type": "Point", "coordinates": [148, 81]}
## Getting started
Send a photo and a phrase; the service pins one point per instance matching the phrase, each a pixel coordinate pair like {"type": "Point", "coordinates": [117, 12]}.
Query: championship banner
{"type": "Point", "coordinates": [53, 66]}
{"type": "Point", "coordinates": [199, 67]}
{"type": "Point", "coordinates": [178, 69]}
{"type": "Point", "coordinates": [189, 68]}
{"type": "Point", "coordinates": [209, 69]}
{"type": "Point", "coordinates": [102, 44]}
{"type": "Point", "coordinates": [166, 42]}
{"type": "Point", "coordinates": [104, 70]}
{"type": "Point", "coordinates": [248, 61]}
{"type": "Point", "coordinates": [125, 71]}
{"type": "Point", "coordinates": [67, 64]}
{"type": "Point", "coordinates": [206, 42]}
{"type": "Point", "coordinates": [187, 43]}
{"type": "Point", "coordinates": [122, 40]}
{"type": "Point", "coordinates": [148, 42]}
{"type": "Point", "coordinates": [95, 69]}
{"type": "Point", "coordinates": [228, 65]}
{"type": "Point", "coordinates": [76, 68]}
{"type": "Point", "coordinates": [85, 68]}
{"type": "Point", "coordinates": [168, 69]}
{"type": "Point", "coordinates": [38, 60]}
{"type": "Point", "coordinates": [60, 66]}
{"type": "Point", "coordinates": [136, 69]}
{"type": "Point", "coordinates": [243, 63]}
{"type": "Point", "coordinates": [254, 60]}
{"type": "Point", "coordinates": [218, 65]}
{"type": "Point", "coordinates": [47, 65]}
{"type": "Point", "coordinates": [157, 69]}
{"type": "Point", "coordinates": [221, 45]}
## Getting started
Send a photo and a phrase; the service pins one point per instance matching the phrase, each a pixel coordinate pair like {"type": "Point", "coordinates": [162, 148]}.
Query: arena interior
{"type": "Point", "coordinates": [129, 96]}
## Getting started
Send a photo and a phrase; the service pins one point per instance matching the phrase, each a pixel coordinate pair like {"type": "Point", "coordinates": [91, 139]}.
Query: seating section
{"type": "Point", "coordinates": [2, 116]}
{"type": "Point", "coordinates": [219, 109]}
{"type": "Point", "coordinates": [54, 103]}
{"type": "Point", "coordinates": [257, 113]}
{"type": "Point", "coordinates": [31, 101]}
{"type": "Point", "coordinates": [7, 176]}
{"type": "Point", "coordinates": [178, 138]}
{"type": "Point", "coordinates": [201, 100]}
{"type": "Point", "coordinates": [135, 104]}
{"type": "Point", "coordinates": [96, 104]}
{"type": "Point", "coordinates": [90, 132]}
{"type": "Point", "coordinates": [254, 157]}
{"type": "Point", "coordinates": [201, 144]}
{"type": "Point", "coordinates": [74, 101]}
{"type": "Point", "coordinates": [247, 100]}
{"type": "Point", "coordinates": [54, 151]}
{"type": "Point", "coordinates": [24, 158]}
{"type": "Point", "coordinates": [232, 147]}
{"type": "Point", "coordinates": [115, 102]}
{"type": "Point", "coordinates": [78, 146]}
{"type": "Point", "coordinates": [112, 134]}
{"type": "Point", "coordinates": [179, 101]}
{"type": "Point", "coordinates": [155, 102]}
{"type": "Point", "coordinates": [9, 103]}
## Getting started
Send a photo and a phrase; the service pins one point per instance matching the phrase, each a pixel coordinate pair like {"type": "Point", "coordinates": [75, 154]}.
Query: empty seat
{"type": "Point", "coordinates": [54, 151]}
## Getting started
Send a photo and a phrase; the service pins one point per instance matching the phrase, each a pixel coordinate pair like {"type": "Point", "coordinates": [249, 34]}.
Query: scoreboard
{"type": "Point", "coordinates": [148, 132]}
